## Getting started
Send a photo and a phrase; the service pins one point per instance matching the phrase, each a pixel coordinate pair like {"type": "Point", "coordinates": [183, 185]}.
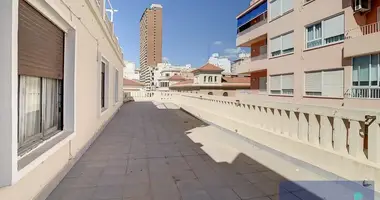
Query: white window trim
{"type": "Point", "coordinates": [104, 109]}
{"type": "Point", "coordinates": [322, 83]}
{"type": "Point", "coordinates": [14, 167]}
{"type": "Point", "coordinates": [281, 92]}
{"type": "Point", "coordinates": [322, 34]}
{"type": "Point", "coordinates": [282, 13]}
{"type": "Point", "coordinates": [282, 54]}
{"type": "Point", "coordinates": [370, 73]}
{"type": "Point", "coordinates": [116, 90]}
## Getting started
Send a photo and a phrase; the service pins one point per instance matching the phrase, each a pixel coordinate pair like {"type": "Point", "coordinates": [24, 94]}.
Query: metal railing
{"type": "Point", "coordinates": [365, 93]}
{"type": "Point", "coordinates": [262, 22]}
{"type": "Point", "coordinates": [363, 30]}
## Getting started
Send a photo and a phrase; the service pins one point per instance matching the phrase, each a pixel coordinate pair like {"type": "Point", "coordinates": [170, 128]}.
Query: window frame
{"type": "Point", "coordinates": [323, 39]}
{"type": "Point", "coordinates": [116, 86]}
{"type": "Point", "coordinates": [282, 13]}
{"type": "Point", "coordinates": [281, 50]}
{"type": "Point", "coordinates": [281, 89]}
{"type": "Point", "coordinates": [104, 107]}
{"type": "Point", "coordinates": [369, 73]}
{"type": "Point", "coordinates": [323, 72]}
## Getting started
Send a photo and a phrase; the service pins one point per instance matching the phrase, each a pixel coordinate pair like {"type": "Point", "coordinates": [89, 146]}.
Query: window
{"type": "Point", "coordinates": [225, 94]}
{"type": "Point", "coordinates": [282, 45]}
{"type": "Point", "coordinates": [325, 32]}
{"type": "Point", "coordinates": [210, 79]}
{"type": "Point", "coordinates": [324, 83]}
{"type": "Point", "coordinates": [263, 84]}
{"type": "Point", "coordinates": [210, 93]}
{"type": "Point", "coordinates": [366, 71]}
{"type": "Point", "coordinates": [204, 79]}
{"type": "Point", "coordinates": [103, 86]}
{"type": "Point", "coordinates": [116, 86]}
{"type": "Point", "coordinates": [215, 79]}
{"type": "Point", "coordinates": [282, 84]}
{"type": "Point", "coordinates": [280, 7]}
{"type": "Point", "coordinates": [40, 110]}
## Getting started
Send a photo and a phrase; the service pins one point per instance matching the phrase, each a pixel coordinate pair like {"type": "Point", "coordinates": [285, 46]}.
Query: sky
{"type": "Point", "coordinates": [192, 29]}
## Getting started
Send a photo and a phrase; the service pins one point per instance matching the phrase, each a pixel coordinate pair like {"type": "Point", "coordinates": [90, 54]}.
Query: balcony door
{"type": "Point", "coordinates": [378, 14]}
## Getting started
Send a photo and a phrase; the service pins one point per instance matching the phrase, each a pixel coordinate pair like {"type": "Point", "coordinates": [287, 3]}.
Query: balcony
{"type": "Point", "coordinates": [362, 40]}
{"type": "Point", "coordinates": [252, 64]}
{"type": "Point", "coordinates": [251, 24]}
{"type": "Point", "coordinates": [364, 93]}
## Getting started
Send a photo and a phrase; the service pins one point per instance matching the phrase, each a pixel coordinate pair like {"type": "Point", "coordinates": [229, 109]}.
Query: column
{"type": "Point", "coordinates": [356, 140]}
{"type": "Point", "coordinates": [373, 142]}
{"type": "Point", "coordinates": [293, 125]}
{"type": "Point", "coordinates": [313, 129]}
{"type": "Point", "coordinates": [303, 128]}
{"type": "Point", "coordinates": [326, 133]}
{"type": "Point", "coordinates": [339, 135]}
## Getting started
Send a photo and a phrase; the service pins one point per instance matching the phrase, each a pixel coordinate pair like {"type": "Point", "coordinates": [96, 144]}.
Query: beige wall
{"type": "Point", "coordinates": [326, 57]}
{"type": "Point", "coordinates": [92, 36]}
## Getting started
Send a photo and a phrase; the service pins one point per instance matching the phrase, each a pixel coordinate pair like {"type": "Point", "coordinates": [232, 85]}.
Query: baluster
{"type": "Point", "coordinates": [313, 129]}
{"type": "Point", "coordinates": [326, 132]}
{"type": "Point", "coordinates": [285, 122]}
{"type": "Point", "coordinates": [293, 132]}
{"type": "Point", "coordinates": [356, 140]}
{"type": "Point", "coordinates": [339, 135]}
{"type": "Point", "coordinates": [277, 120]}
{"type": "Point", "coordinates": [303, 127]}
{"type": "Point", "coordinates": [373, 142]}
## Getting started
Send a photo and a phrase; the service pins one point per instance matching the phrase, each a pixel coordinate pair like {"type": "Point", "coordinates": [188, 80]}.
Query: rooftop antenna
{"type": "Point", "coordinates": [111, 10]}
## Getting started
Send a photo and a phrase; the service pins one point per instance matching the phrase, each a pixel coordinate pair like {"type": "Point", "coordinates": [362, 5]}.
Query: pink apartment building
{"type": "Point", "coordinates": [313, 51]}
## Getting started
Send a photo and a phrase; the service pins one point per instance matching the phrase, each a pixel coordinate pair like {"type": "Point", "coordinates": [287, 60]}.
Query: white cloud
{"type": "Point", "coordinates": [165, 59]}
{"type": "Point", "coordinates": [232, 53]}
{"type": "Point", "coordinates": [218, 43]}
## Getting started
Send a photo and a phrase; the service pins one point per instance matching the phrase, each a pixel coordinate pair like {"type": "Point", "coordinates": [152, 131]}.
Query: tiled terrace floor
{"type": "Point", "coordinates": [145, 154]}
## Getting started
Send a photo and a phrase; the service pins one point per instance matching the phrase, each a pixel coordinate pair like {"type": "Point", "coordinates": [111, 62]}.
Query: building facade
{"type": "Point", "coordinates": [325, 57]}
{"type": "Point", "coordinates": [209, 80]}
{"type": "Point", "coordinates": [61, 82]}
{"type": "Point", "coordinates": [166, 75]}
{"type": "Point", "coordinates": [150, 42]}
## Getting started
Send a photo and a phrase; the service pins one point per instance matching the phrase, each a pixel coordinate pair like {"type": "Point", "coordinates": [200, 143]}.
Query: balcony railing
{"type": "Point", "coordinates": [258, 24]}
{"type": "Point", "coordinates": [364, 93]}
{"type": "Point", "coordinates": [363, 30]}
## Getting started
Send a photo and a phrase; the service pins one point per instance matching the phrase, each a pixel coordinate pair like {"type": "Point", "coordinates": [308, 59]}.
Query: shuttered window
{"type": "Point", "coordinates": [325, 32]}
{"type": "Point", "coordinates": [40, 43]}
{"type": "Point", "coordinates": [40, 83]}
{"type": "Point", "coordinates": [327, 83]}
{"type": "Point", "coordinates": [282, 44]}
{"type": "Point", "coordinates": [280, 7]}
{"type": "Point", "coordinates": [282, 84]}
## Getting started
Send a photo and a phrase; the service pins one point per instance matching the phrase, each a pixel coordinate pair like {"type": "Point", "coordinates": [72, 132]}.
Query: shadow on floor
{"type": "Point", "coordinates": [148, 152]}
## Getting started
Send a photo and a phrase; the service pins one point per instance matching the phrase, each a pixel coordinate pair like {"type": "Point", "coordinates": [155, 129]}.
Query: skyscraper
{"type": "Point", "coordinates": [150, 42]}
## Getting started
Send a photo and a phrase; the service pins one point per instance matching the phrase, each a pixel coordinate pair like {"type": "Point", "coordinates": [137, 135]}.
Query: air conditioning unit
{"type": "Point", "coordinates": [362, 5]}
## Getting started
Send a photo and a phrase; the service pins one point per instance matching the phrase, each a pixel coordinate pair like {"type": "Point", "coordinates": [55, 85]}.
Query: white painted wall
{"type": "Point", "coordinates": [88, 39]}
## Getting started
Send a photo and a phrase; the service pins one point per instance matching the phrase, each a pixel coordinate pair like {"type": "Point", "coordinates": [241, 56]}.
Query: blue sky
{"type": "Point", "coordinates": [190, 28]}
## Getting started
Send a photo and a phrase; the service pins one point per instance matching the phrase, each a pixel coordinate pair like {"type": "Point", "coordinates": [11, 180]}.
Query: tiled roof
{"type": "Point", "coordinates": [209, 67]}
{"type": "Point", "coordinates": [176, 78]}
{"type": "Point", "coordinates": [236, 79]}
{"type": "Point", "coordinates": [128, 82]}
{"type": "Point", "coordinates": [190, 81]}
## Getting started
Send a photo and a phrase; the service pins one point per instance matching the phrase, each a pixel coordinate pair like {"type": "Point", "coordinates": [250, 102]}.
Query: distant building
{"type": "Point", "coordinates": [166, 75]}
{"type": "Point", "coordinates": [130, 72]}
{"type": "Point", "coordinates": [235, 64]}
{"type": "Point", "coordinates": [132, 85]}
{"type": "Point", "coordinates": [150, 42]}
{"type": "Point", "coordinates": [221, 62]}
{"type": "Point", "coordinates": [209, 80]}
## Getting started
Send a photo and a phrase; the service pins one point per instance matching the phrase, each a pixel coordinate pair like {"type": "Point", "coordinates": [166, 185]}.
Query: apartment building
{"type": "Point", "coordinates": [150, 42]}
{"type": "Point", "coordinates": [313, 51]}
{"type": "Point", "coordinates": [60, 83]}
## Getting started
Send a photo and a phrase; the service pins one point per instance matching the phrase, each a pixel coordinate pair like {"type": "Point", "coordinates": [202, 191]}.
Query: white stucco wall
{"type": "Point", "coordinates": [93, 41]}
